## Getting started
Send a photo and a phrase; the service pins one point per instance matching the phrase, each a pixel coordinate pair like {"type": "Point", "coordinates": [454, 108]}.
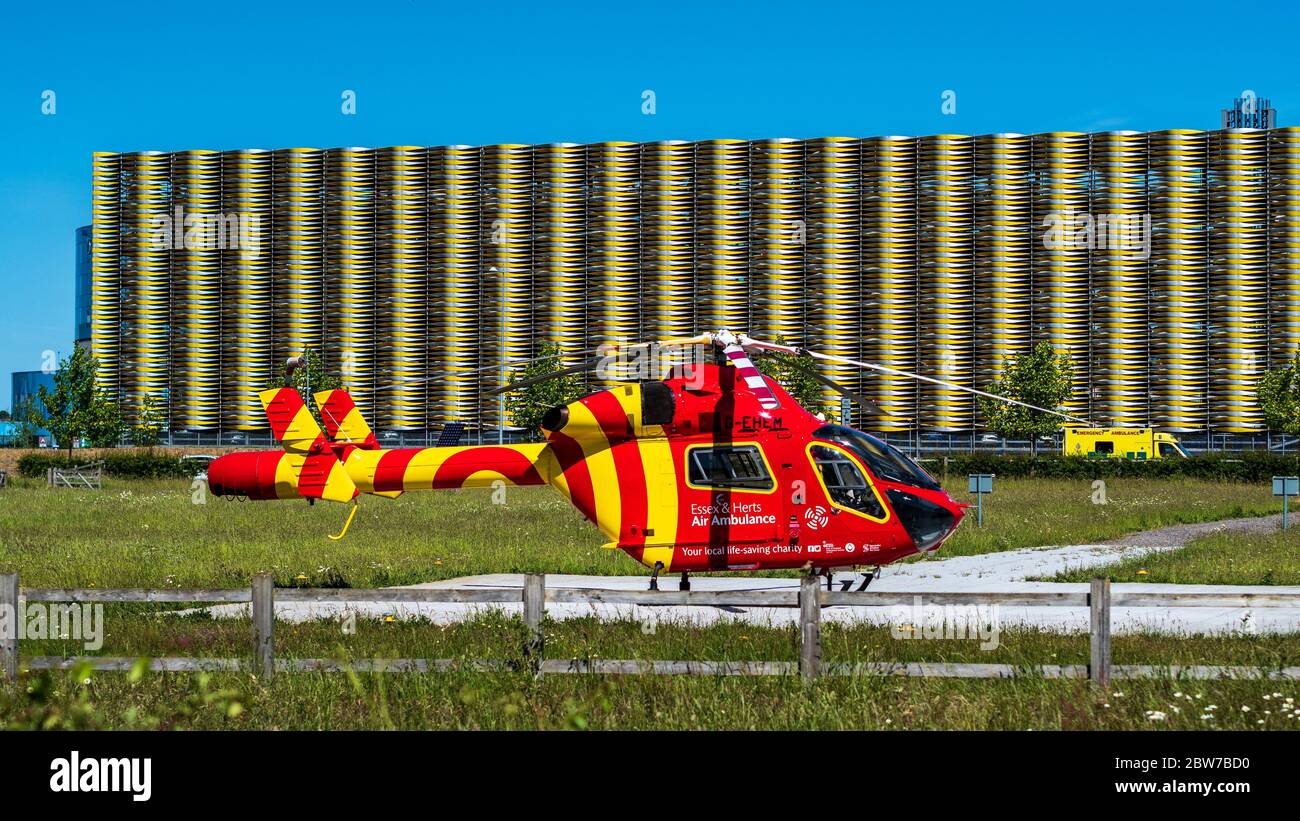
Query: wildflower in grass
{"type": "Point", "coordinates": [1155, 715]}
{"type": "Point", "coordinates": [1245, 709]}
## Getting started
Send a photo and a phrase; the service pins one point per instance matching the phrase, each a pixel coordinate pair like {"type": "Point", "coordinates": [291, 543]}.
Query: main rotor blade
{"type": "Point", "coordinates": [747, 342]}
{"type": "Point", "coordinates": [515, 363]}
{"type": "Point", "coordinates": [863, 402]}
{"type": "Point", "coordinates": [589, 365]}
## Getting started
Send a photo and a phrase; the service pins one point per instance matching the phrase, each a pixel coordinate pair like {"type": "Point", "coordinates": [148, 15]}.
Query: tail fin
{"type": "Point", "coordinates": [343, 420]}
{"type": "Point", "coordinates": [314, 471]}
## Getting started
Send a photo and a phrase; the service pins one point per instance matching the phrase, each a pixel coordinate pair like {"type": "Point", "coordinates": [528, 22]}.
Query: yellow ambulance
{"type": "Point", "coordinates": [1122, 443]}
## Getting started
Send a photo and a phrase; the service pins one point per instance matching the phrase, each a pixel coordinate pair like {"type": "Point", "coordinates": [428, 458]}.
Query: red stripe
{"type": "Point", "coordinates": [390, 473]}
{"type": "Point", "coordinates": [511, 464]}
{"type": "Point", "coordinates": [335, 410]}
{"type": "Point", "coordinates": [574, 467]}
{"type": "Point", "coordinates": [281, 410]}
{"type": "Point", "coordinates": [627, 464]}
{"type": "Point", "coordinates": [314, 474]}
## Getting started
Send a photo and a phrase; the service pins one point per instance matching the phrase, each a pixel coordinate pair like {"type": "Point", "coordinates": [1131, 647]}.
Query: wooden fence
{"type": "Point", "coordinates": [89, 476]}
{"type": "Point", "coordinates": [810, 598]}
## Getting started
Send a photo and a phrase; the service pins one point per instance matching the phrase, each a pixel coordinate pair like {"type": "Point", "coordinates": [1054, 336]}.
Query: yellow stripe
{"type": "Point", "coordinates": [656, 457]}
{"type": "Point", "coordinates": [339, 487]}
{"type": "Point", "coordinates": [604, 474]}
{"type": "Point", "coordinates": [286, 475]}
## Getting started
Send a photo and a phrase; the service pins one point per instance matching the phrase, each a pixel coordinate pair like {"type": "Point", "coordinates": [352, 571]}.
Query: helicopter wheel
{"type": "Point", "coordinates": [867, 578]}
{"type": "Point", "coordinates": [830, 577]}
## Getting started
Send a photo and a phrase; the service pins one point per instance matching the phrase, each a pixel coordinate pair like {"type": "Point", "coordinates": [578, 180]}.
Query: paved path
{"type": "Point", "coordinates": [1178, 535]}
{"type": "Point", "coordinates": [1001, 572]}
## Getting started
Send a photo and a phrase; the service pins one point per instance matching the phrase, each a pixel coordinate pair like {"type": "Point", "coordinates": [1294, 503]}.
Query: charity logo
{"type": "Point", "coordinates": [850, 547]}
{"type": "Point", "coordinates": [816, 517]}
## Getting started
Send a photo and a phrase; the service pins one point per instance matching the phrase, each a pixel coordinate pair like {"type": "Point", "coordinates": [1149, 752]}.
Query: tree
{"type": "Point", "coordinates": [104, 423]}
{"type": "Point", "coordinates": [1278, 394]}
{"type": "Point", "coordinates": [527, 405]}
{"type": "Point", "coordinates": [310, 380]}
{"type": "Point", "coordinates": [68, 405]}
{"type": "Point", "coordinates": [148, 423]}
{"type": "Point", "coordinates": [796, 374]}
{"type": "Point", "coordinates": [29, 419]}
{"type": "Point", "coordinates": [4, 416]}
{"type": "Point", "coordinates": [1038, 377]}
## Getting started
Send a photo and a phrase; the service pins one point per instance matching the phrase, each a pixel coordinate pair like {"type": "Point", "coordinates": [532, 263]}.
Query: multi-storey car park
{"type": "Point", "coordinates": [415, 270]}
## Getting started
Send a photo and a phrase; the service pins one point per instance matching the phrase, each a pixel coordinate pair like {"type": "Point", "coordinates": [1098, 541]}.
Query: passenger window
{"type": "Point", "coordinates": [1168, 451]}
{"type": "Point", "coordinates": [1105, 447]}
{"type": "Point", "coordinates": [845, 483]}
{"type": "Point", "coordinates": [731, 466]}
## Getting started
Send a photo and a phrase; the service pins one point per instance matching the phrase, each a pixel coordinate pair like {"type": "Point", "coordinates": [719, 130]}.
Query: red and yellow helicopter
{"type": "Point", "coordinates": [715, 467]}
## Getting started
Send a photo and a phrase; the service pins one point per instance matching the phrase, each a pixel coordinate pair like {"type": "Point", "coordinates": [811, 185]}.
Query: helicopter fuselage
{"type": "Point", "coordinates": [691, 473]}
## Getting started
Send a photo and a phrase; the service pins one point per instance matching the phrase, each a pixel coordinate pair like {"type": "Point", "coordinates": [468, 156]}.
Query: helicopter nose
{"type": "Point", "coordinates": [928, 521]}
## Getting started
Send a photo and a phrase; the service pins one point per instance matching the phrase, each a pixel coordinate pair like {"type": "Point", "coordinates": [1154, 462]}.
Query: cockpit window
{"type": "Point", "coordinates": [732, 466]}
{"type": "Point", "coordinates": [885, 461]}
{"type": "Point", "coordinates": [845, 483]}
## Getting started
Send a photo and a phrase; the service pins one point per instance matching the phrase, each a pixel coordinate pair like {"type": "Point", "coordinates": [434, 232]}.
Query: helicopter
{"type": "Point", "coordinates": [713, 468]}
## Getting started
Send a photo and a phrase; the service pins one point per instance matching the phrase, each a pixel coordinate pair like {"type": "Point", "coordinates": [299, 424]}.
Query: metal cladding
{"type": "Point", "coordinates": [1178, 280]}
{"type": "Point", "coordinates": [401, 318]}
{"type": "Point", "coordinates": [1061, 305]}
{"type": "Point", "coordinates": [668, 239]}
{"type": "Point", "coordinates": [196, 296]}
{"type": "Point", "coordinates": [247, 358]}
{"type": "Point", "coordinates": [1120, 307]}
{"type": "Point", "coordinates": [611, 278]}
{"type": "Point", "coordinates": [945, 298]}
{"type": "Point", "coordinates": [1167, 264]}
{"type": "Point", "coordinates": [1003, 251]}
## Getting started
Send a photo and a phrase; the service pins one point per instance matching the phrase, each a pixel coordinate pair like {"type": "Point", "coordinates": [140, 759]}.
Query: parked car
{"type": "Point", "coordinates": [200, 461]}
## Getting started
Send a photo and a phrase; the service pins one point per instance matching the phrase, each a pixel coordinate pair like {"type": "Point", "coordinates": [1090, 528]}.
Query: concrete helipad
{"type": "Point", "coordinates": [997, 572]}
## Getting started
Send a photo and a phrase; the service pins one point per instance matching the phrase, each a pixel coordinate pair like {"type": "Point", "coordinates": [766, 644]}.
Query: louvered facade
{"type": "Point", "coordinates": [414, 270]}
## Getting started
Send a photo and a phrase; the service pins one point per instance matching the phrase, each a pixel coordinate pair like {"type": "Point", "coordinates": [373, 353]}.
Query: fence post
{"type": "Point", "coordinates": [534, 610]}
{"type": "Point", "coordinates": [9, 637]}
{"type": "Point", "coordinates": [264, 625]}
{"type": "Point", "coordinates": [1099, 611]}
{"type": "Point", "coordinates": [810, 628]}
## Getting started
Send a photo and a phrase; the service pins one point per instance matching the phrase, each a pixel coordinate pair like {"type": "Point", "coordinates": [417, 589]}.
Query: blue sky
{"type": "Point", "coordinates": [226, 75]}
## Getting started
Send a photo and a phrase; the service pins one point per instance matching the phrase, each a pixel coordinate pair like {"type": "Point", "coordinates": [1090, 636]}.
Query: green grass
{"type": "Point", "coordinates": [150, 534]}
{"type": "Point", "coordinates": [1034, 512]}
{"type": "Point", "coordinates": [464, 699]}
{"type": "Point", "coordinates": [1246, 558]}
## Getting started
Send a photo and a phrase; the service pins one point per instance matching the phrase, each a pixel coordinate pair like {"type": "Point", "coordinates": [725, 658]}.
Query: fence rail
{"type": "Point", "coordinates": [89, 476]}
{"type": "Point", "coordinates": [810, 598]}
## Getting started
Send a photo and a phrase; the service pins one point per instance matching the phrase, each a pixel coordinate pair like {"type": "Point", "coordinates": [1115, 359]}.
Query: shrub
{"type": "Point", "coordinates": [125, 464]}
{"type": "Point", "coordinates": [1248, 466]}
